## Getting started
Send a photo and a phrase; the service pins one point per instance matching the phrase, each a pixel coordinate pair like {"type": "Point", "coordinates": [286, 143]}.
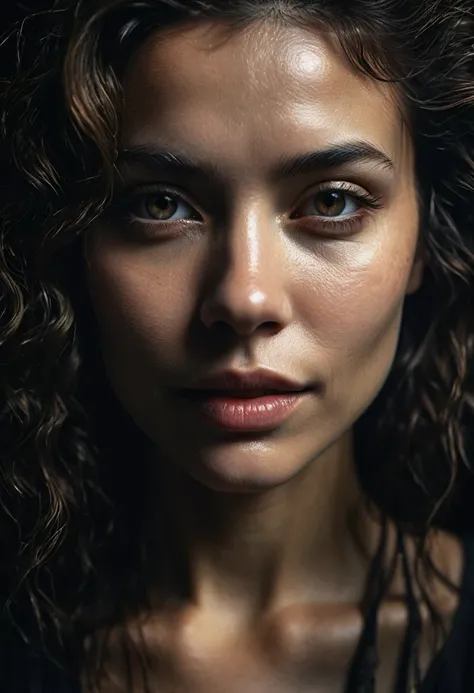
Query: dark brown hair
{"type": "Point", "coordinates": [61, 512]}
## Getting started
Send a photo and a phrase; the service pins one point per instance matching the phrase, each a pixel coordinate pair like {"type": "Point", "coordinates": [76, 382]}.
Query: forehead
{"type": "Point", "coordinates": [258, 91]}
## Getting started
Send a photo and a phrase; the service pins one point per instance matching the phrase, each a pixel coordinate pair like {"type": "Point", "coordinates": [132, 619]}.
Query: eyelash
{"type": "Point", "coordinates": [341, 226]}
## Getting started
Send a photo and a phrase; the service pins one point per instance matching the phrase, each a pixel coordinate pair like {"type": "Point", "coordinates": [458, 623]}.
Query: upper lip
{"type": "Point", "coordinates": [260, 379]}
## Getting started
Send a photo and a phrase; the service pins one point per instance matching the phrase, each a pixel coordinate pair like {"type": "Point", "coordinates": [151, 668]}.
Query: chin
{"type": "Point", "coordinates": [246, 467]}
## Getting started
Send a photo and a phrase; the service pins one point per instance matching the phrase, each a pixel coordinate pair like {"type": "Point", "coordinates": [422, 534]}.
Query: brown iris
{"type": "Point", "coordinates": [330, 203]}
{"type": "Point", "coordinates": [161, 206]}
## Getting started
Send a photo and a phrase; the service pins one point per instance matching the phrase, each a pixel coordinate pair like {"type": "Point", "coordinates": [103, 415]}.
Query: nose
{"type": "Point", "coordinates": [249, 292]}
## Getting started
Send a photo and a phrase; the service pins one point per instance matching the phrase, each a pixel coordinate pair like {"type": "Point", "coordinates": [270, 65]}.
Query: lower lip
{"type": "Point", "coordinates": [252, 414]}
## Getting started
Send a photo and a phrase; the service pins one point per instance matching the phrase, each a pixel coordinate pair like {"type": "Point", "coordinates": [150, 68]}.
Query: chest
{"type": "Point", "coordinates": [304, 653]}
{"type": "Point", "coordinates": [231, 670]}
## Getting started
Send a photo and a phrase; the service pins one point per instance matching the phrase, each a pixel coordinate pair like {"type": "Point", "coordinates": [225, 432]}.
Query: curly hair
{"type": "Point", "coordinates": [62, 464]}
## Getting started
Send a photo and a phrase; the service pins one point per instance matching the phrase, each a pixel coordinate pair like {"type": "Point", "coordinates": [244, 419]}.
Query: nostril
{"type": "Point", "coordinates": [270, 327]}
{"type": "Point", "coordinates": [245, 328]}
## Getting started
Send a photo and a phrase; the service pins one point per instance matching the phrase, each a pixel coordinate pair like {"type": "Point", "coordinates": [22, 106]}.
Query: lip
{"type": "Point", "coordinates": [261, 379]}
{"type": "Point", "coordinates": [259, 400]}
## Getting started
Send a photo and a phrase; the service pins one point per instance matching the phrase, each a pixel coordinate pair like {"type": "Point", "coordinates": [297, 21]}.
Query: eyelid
{"type": "Point", "coordinates": [363, 196]}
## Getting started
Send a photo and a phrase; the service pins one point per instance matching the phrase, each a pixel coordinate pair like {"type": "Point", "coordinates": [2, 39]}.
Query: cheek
{"type": "Point", "coordinates": [142, 307]}
{"type": "Point", "coordinates": [352, 308]}
{"type": "Point", "coordinates": [356, 287]}
{"type": "Point", "coordinates": [140, 313]}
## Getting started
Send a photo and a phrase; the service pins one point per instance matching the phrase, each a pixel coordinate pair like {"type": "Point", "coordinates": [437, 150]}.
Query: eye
{"type": "Point", "coordinates": [330, 203]}
{"type": "Point", "coordinates": [336, 209]}
{"type": "Point", "coordinates": [159, 206]}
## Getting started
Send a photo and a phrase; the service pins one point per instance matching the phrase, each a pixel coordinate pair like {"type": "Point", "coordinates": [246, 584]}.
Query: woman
{"type": "Point", "coordinates": [237, 274]}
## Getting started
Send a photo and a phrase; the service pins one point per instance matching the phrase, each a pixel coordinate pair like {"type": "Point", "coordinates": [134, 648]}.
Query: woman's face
{"type": "Point", "coordinates": [265, 218]}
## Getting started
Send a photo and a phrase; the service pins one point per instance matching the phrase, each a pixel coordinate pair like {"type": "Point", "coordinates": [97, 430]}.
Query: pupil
{"type": "Point", "coordinates": [162, 206]}
{"type": "Point", "coordinates": [331, 202]}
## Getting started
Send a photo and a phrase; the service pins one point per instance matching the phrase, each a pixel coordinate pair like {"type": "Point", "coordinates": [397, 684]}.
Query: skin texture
{"type": "Point", "coordinates": [273, 525]}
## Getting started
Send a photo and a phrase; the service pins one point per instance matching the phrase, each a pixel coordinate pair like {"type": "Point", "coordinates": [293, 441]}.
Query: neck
{"type": "Point", "coordinates": [311, 537]}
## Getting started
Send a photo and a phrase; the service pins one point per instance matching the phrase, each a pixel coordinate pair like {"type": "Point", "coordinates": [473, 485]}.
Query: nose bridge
{"type": "Point", "coordinates": [250, 290]}
{"type": "Point", "coordinates": [247, 245]}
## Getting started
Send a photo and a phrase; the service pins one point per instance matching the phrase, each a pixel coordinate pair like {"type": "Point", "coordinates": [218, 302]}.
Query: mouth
{"type": "Point", "coordinates": [244, 410]}
{"type": "Point", "coordinates": [258, 381]}
{"type": "Point", "coordinates": [239, 394]}
{"type": "Point", "coordinates": [258, 400]}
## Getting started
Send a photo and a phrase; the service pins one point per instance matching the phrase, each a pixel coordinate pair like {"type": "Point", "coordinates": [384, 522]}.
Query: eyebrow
{"type": "Point", "coordinates": [316, 161]}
